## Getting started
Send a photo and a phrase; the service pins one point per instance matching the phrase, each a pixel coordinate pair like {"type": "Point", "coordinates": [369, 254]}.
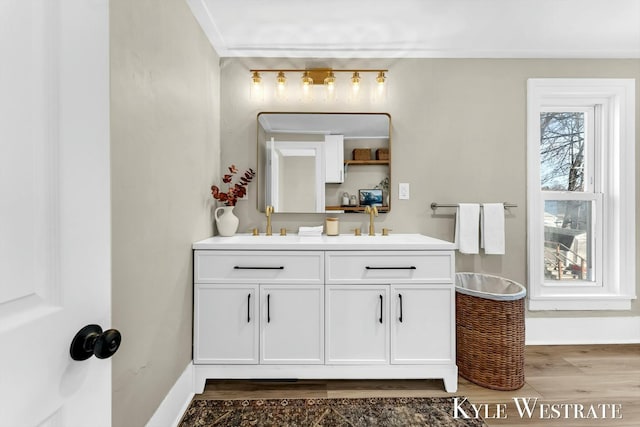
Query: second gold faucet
{"type": "Point", "coordinates": [268, 210]}
{"type": "Point", "coordinates": [372, 211]}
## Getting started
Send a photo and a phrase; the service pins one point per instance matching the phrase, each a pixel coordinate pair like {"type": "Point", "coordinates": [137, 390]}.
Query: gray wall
{"type": "Point", "coordinates": [458, 134]}
{"type": "Point", "coordinates": [164, 157]}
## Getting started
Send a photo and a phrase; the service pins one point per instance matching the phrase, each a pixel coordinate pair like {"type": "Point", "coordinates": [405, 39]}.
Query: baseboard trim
{"type": "Point", "coordinates": [175, 402]}
{"type": "Point", "coordinates": [582, 330]}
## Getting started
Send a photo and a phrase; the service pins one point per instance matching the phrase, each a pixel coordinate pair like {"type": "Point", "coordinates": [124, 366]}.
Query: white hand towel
{"type": "Point", "coordinates": [467, 227]}
{"type": "Point", "coordinates": [310, 231]}
{"type": "Point", "coordinates": [493, 228]}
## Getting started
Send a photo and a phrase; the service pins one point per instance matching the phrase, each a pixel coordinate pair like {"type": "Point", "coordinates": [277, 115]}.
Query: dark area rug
{"type": "Point", "coordinates": [369, 412]}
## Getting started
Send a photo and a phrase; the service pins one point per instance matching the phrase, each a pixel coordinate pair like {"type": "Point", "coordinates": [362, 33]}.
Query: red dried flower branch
{"type": "Point", "coordinates": [235, 191]}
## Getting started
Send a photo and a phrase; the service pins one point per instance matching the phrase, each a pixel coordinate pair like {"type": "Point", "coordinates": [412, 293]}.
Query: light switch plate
{"type": "Point", "coordinates": [403, 191]}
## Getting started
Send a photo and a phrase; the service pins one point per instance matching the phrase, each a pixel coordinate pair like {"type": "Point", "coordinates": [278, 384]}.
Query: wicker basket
{"type": "Point", "coordinates": [382, 154]}
{"type": "Point", "coordinates": [362, 154]}
{"type": "Point", "coordinates": [490, 341]}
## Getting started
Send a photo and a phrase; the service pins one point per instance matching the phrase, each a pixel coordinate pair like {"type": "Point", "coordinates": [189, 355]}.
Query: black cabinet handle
{"type": "Point", "coordinates": [411, 267]}
{"type": "Point", "coordinates": [249, 308]}
{"type": "Point", "coordinates": [239, 267]}
{"type": "Point", "coordinates": [268, 308]}
{"type": "Point", "coordinates": [400, 296]}
{"type": "Point", "coordinates": [380, 309]}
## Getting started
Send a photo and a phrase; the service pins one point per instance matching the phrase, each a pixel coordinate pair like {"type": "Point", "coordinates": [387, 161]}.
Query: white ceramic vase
{"type": "Point", "coordinates": [226, 221]}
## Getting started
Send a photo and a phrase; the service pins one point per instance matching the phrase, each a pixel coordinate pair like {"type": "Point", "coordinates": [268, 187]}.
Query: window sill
{"type": "Point", "coordinates": [573, 303]}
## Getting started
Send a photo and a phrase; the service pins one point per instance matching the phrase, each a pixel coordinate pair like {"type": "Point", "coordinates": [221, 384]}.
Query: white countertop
{"type": "Point", "coordinates": [334, 243]}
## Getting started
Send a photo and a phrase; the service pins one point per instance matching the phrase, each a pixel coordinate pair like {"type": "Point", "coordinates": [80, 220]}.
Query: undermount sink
{"type": "Point", "coordinates": [379, 238]}
{"type": "Point", "coordinates": [340, 242]}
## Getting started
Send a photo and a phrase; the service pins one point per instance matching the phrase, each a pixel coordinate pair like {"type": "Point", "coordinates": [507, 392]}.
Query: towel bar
{"type": "Point", "coordinates": [435, 205]}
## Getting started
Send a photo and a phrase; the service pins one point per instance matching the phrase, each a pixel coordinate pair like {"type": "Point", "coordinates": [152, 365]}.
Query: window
{"type": "Point", "coordinates": [581, 193]}
{"type": "Point", "coordinates": [570, 194]}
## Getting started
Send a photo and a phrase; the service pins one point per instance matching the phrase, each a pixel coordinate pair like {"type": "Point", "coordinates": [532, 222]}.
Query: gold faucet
{"type": "Point", "coordinates": [372, 211]}
{"type": "Point", "coordinates": [268, 210]}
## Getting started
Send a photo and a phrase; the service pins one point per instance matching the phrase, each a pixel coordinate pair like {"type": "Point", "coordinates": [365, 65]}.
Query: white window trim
{"type": "Point", "coordinates": [617, 100]}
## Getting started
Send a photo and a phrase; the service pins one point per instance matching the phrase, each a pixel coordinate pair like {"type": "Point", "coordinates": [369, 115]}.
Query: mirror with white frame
{"type": "Point", "coordinates": [309, 162]}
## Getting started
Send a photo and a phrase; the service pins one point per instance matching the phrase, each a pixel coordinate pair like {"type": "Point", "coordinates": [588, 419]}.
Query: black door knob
{"type": "Point", "coordinates": [92, 340]}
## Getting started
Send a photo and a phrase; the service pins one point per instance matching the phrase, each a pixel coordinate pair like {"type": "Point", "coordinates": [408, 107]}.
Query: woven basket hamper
{"type": "Point", "coordinates": [490, 341]}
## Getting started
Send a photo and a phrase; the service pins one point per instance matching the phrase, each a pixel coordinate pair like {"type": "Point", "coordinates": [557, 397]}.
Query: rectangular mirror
{"type": "Point", "coordinates": [318, 162]}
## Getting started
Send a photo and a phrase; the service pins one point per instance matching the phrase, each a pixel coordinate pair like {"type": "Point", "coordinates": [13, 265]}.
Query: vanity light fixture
{"type": "Point", "coordinates": [330, 86]}
{"type": "Point", "coordinates": [380, 91]}
{"type": "Point", "coordinates": [307, 80]}
{"type": "Point", "coordinates": [281, 86]}
{"type": "Point", "coordinates": [355, 81]}
{"type": "Point", "coordinates": [330, 81]}
{"type": "Point", "coordinates": [257, 89]}
{"type": "Point", "coordinates": [307, 84]}
{"type": "Point", "coordinates": [355, 86]}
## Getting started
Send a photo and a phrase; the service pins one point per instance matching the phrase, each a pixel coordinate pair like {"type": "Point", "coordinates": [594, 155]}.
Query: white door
{"type": "Point", "coordinates": [54, 210]}
{"type": "Point", "coordinates": [226, 324]}
{"type": "Point", "coordinates": [292, 324]}
{"type": "Point", "coordinates": [357, 324]}
{"type": "Point", "coordinates": [421, 324]}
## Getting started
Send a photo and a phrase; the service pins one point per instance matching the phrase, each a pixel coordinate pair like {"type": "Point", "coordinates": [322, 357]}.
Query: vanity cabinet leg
{"type": "Point", "coordinates": [451, 383]}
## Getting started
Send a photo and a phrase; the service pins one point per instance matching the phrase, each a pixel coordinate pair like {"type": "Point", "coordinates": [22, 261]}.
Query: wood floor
{"type": "Point", "coordinates": [593, 376]}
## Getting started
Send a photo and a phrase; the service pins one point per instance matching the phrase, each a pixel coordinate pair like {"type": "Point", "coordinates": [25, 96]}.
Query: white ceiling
{"type": "Point", "coordinates": [422, 28]}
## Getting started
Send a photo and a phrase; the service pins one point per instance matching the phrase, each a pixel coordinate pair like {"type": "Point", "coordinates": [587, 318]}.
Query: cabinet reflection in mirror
{"type": "Point", "coordinates": [307, 161]}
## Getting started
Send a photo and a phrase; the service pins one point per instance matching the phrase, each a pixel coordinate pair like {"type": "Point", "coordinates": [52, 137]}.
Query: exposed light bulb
{"type": "Point", "coordinates": [306, 79]}
{"type": "Point", "coordinates": [380, 90]}
{"type": "Point", "coordinates": [330, 86]}
{"type": "Point", "coordinates": [281, 86]}
{"type": "Point", "coordinates": [307, 85]}
{"type": "Point", "coordinates": [257, 90]}
{"type": "Point", "coordinates": [355, 81]}
{"type": "Point", "coordinates": [330, 80]}
{"type": "Point", "coordinates": [355, 86]}
{"type": "Point", "coordinates": [256, 78]}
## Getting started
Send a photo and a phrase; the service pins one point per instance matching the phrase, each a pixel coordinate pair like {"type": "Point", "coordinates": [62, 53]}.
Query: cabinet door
{"type": "Point", "coordinates": [334, 158]}
{"type": "Point", "coordinates": [292, 324]}
{"type": "Point", "coordinates": [421, 324]}
{"type": "Point", "coordinates": [226, 324]}
{"type": "Point", "coordinates": [357, 324]}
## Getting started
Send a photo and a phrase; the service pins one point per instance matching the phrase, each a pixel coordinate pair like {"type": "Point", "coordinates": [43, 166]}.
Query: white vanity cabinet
{"type": "Point", "coordinates": [292, 324]}
{"type": "Point", "coordinates": [404, 324]}
{"type": "Point", "coordinates": [357, 324]}
{"type": "Point", "coordinates": [233, 322]}
{"type": "Point", "coordinates": [343, 307]}
{"type": "Point", "coordinates": [392, 307]}
{"type": "Point", "coordinates": [255, 307]}
{"type": "Point", "coordinates": [226, 323]}
{"type": "Point", "coordinates": [421, 321]}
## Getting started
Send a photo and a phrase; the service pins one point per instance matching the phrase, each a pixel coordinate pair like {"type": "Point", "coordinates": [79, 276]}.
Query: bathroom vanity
{"type": "Point", "coordinates": [342, 307]}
